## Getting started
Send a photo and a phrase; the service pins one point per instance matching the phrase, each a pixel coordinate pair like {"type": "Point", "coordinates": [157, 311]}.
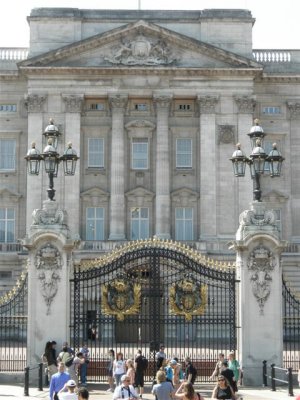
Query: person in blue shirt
{"type": "Point", "coordinates": [58, 381]}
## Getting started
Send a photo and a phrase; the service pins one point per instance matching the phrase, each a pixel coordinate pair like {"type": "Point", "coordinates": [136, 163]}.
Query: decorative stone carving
{"type": "Point", "coordinates": [207, 104]}
{"type": "Point", "coordinates": [49, 215]}
{"type": "Point", "coordinates": [162, 102]}
{"type": "Point", "coordinates": [294, 108]}
{"type": "Point", "coordinates": [118, 101]}
{"type": "Point", "coordinates": [141, 51]}
{"type": "Point", "coordinates": [48, 263]}
{"type": "Point", "coordinates": [261, 263]}
{"type": "Point", "coordinates": [226, 134]}
{"type": "Point", "coordinates": [35, 102]}
{"type": "Point", "coordinates": [245, 104]}
{"type": "Point", "coordinates": [73, 103]}
{"type": "Point", "coordinates": [250, 217]}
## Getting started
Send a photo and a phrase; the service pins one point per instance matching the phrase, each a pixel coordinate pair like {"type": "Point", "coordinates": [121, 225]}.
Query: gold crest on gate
{"type": "Point", "coordinates": [188, 298]}
{"type": "Point", "coordinates": [121, 298]}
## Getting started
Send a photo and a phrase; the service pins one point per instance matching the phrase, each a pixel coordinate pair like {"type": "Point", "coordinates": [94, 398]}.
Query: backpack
{"type": "Point", "coordinates": [69, 361]}
{"type": "Point", "coordinates": [144, 363]}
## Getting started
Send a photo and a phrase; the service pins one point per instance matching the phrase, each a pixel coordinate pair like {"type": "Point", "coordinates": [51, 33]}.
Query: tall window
{"type": "Point", "coordinates": [184, 223]}
{"type": "Point", "coordinates": [7, 154]}
{"type": "Point", "coordinates": [7, 225]}
{"type": "Point", "coordinates": [96, 153]}
{"type": "Point", "coordinates": [139, 223]}
{"type": "Point", "coordinates": [139, 154]}
{"type": "Point", "coordinates": [183, 153]}
{"type": "Point", "coordinates": [95, 223]}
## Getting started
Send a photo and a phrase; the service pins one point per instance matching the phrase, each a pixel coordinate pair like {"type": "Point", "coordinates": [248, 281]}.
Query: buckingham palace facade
{"type": "Point", "coordinates": [154, 103]}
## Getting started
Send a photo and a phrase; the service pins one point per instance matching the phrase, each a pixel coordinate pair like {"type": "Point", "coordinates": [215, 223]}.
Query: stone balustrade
{"type": "Point", "coordinates": [272, 56]}
{"type": "Point", "coordinates": [13, 53]}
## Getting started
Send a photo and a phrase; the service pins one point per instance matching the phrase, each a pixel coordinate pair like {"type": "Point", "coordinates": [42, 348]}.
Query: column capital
{"type": "Point", "coordinates": [294, 108]}
{"type": "Point", "coordinates": [207, 104]}
{"type": "Point", "coordinates": [162, 101]}
{"type": "Point", "coordinates": [35, 102]}
{"type": "Point", "coordinates": [73, 102]}
{"type": "Point", "coordinates": [245, 104]}
{"type": "Point", "coordinates": [118, 101]}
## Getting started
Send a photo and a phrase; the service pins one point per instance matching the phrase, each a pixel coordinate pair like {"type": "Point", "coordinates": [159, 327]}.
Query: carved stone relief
{"type": "Point", "coordinates": [35, 102]}
{"type": "Point", "coordinates": [49, 215]}
{"type": "Point", "coordinates": [226, 134]}
{"type": "Point", "coordinates": [261, 263]}
{"type": "Point", "coordinates": [294, 109]}
{"type": "Point", "coordinates": [73, 103]}
{"type": "Point", "coordinates": [141, 51]}
{"type": "Point", "coordinates": [48, 263]}
{"type": "Point", "coordinates": [207, 104]}
{"type": "Point", "coordinates": [245, 104]}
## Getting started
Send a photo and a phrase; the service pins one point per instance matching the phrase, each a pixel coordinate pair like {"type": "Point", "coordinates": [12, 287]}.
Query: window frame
{"type": "Point", "coordinates": [95, 219]}
{"type": "Point", "coordinates": [190, 153]}
{"type": "Point", "coordinates": [140, 220]}
{"type": "Point", "coordinates": [133, 159]}
{"type": "Point", "coordinates": [6, 220]}
{"type": "Point", "coordinates": [184, 220]}
{"type": "Point", "coordinates": [101, 164]}
{"type": "Point", "coordinates": [8, 156]}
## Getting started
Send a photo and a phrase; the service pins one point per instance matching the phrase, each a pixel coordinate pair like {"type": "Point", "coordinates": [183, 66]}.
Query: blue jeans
{"type": "Point", "coordinates": [118, 379]}
{"type": "Point", "coordinates": [83, 371]}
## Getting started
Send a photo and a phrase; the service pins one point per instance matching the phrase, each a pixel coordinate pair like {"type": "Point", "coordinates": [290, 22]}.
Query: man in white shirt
{"type": "Point", "coordinates": [125, 390]}
{"type": "Point", "coordinates": [68, 391]}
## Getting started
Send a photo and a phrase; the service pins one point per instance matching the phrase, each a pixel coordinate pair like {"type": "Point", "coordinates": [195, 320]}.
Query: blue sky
{"type": "Point", "coordinates": [277, 23]}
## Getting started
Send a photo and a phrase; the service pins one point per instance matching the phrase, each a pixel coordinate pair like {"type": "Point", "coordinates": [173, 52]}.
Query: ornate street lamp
{"type": "Point", "coordinates": [257, 160]}
{"type": "Point", "coordinates": [51, 158]}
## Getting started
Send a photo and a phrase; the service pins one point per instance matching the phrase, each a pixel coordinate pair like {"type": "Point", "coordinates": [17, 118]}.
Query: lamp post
{"type": "Point", "coordinates": [51, 158]}
{"type": "Point", "coordinates": [257, 160]}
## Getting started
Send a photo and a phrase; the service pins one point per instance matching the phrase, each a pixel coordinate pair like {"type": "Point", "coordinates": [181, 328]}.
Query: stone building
{"type": "Point", "coordinates": [154, 103]}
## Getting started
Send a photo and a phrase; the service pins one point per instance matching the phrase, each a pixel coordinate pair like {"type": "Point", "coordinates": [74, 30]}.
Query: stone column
{"type": "Point", "coordinates": [259, 271]}
{"type": "Point", "coordinates": [49, 252]}
{"type": "Point", "coordinates": [246, 107]}
{"type": "Point", "coordinates": [163, 199]}
{"type": "Point", "coordinates": [35, 105]}
{"type": "Point", "coordinates": [208, 167]}
{"type": "Point", "coordinates": [71, 201]}
{"type": "Point", "coordinates": [117, 168]}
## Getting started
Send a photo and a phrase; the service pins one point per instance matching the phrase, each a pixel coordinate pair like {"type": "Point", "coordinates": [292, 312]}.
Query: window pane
{"type": "Point", "coordinates": [139, 223]}
{"type": "Point", "coordinates": [140, 154]}
{"type": "Point", "coordinates": [96, 153]}
{"type": "Point", "coordinates": [184, 153]}
{"type": "Point", "coordinates": [184, 223]}
{"type": "Point", "coordinates": [7, 154]}
{"type": "Point", "coordinates": [95, 223]}
{"type": "Point", "coordinates": [7, 225]}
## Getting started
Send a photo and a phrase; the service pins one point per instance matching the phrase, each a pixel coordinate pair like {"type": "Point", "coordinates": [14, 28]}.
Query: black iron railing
{"type": "Point", "coordinates": [277, 375]}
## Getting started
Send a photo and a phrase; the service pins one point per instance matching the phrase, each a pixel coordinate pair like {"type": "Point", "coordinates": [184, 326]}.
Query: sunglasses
{"type": "Point", "coordinates": [221, 380]}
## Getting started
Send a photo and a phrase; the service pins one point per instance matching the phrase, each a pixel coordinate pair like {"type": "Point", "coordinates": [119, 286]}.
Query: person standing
{"type": "Point", "coordinates": [162, 390]}
{"type": "Point", "coordinates": [228, 375]}
{"type": "Point", "coordinates": [110, 379]}
{"type": "Point", "coordinates": [125, 390]}
{"type": "Point", "coordinates": [58, 381]}
{"type": "Point", "coordinates": [218, 366]}
{"type": "Point", "coordinates": [83, 367]}
{"type": "Point", "coordinates": [190, 371]}
{"type": "Point", "coordinates": [160, 356]}
{"type": "Point", "coordinates": [74, 368]}
{"type": "Point", "coordinates": [50, 360]}
{"type": "Point", "coordinates": [119, 368]}
{"type": "Point", "coordinates": [141, 364]}
{"type": "Point", "coordinates": [234, 365]}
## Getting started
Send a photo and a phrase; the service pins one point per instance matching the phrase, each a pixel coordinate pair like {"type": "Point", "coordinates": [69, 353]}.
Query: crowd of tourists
{"type": "Point", "coordinates": [173, 380]}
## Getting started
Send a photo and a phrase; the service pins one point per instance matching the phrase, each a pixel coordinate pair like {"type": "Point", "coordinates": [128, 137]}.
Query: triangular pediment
{"type": "Point", "coordinates": [139, 192]}
{"type": "Point", "coordinates": [94, 194]}
{"type": "Point", "coordinates": [140, 44]}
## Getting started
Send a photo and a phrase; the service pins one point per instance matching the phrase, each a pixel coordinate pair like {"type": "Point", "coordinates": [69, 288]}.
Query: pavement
{"type": "Point", "coordinates": [98, 391]}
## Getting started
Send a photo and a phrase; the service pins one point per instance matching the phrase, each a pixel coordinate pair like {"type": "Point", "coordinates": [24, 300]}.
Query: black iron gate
{"type": "Point", "coordinates": [291, 328]}
{"type": "Point", "coordinates": [13, 327]}
{"type": "Point", "coordinates": [150, 293]}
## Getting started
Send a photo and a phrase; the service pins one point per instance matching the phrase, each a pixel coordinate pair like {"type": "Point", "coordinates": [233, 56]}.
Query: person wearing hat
{"type": "Point", "coordinates": [125, 390]}
{"type": "Point", "coordinates": [68, 391]}
{"type": "Point", "coordinates": [176, 368]}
